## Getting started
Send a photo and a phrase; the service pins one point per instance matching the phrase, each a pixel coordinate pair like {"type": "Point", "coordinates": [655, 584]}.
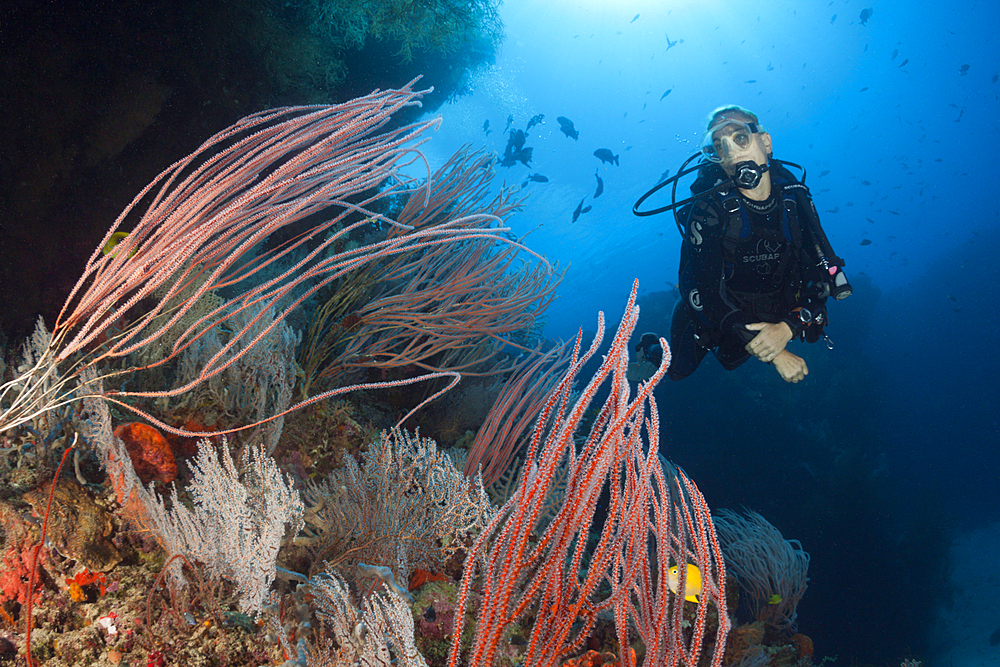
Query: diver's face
{"type": "Point", "coordinates": [734, 143]}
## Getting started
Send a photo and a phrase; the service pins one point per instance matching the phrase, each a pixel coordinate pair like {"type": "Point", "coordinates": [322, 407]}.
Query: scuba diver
{"type": "Point", "coordinates": [756, 267]}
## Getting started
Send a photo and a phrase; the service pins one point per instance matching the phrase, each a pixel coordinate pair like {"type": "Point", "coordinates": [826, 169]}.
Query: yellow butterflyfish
{"type": "Point", "coordinates": [692, 582]}
{"type": "Point", "coordinates": [774, 599]}
{"type": "Point", "coordinates": [115, 239]}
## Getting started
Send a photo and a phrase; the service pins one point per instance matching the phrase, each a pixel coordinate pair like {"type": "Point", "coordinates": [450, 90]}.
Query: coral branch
{"type": "Point", "coordinates": [557, 579]}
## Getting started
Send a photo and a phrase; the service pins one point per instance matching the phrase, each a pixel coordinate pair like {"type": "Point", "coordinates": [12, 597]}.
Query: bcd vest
{"type": "Point", "coordinates": [739, 230]}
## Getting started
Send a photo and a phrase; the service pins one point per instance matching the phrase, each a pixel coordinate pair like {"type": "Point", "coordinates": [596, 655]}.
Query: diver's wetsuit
{"type": "Point", "coordinates": [755, 273]}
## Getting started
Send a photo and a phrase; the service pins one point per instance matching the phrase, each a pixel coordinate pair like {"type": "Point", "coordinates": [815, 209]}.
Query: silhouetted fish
{"type": "Point", "coordinates": [600, 186]}
{"type": "Point", "coordinates": [535, 120]}
{"type": "Point", "coordinates": [866, 14]}
{"type": "Point", "coordinates": [665, 94]}
{"type": "Point", "coordinates": [750, 81]}
{"type": "Point", "coordinates": [833, 19]}
{"type": "Point", "coordinates": [895, 52]}
{"type": "Point", "coordinates": [963, 70]}
{"type": "Point", "coordinates": [486, 127]}
{"type": "Point", "coordinates": [863, 89]}
{"type": "Point", "coordinates": [510, 121]}
{"type": "Point", "coordinates": [664, 176]}
{"type": "Point", "coordinates": [835, 209]}
{"type": "Point", "coordinates": [535, 178]}
{"type": "Point", "coordinates": [904, 62]}
{"type": "Point", "coordinates": [513, 157]}
{"type": "Point", "coordinates": [586, 209]}
{"type": "Point", "coordinates": [865, 242]}
{"type": "Point", "coordinates": [516, 140]}
{"type": "Point", "coordinates": [824, 173]}
{"type": "Point", "coordinates": [515, 150]}
{"type": "Point", "coordinates": [634, 18]}
{"type": "Point", "coordinates": [605, 155]}
{"type": "Point", "coordinates": [566, 127]}
{"type": "Point", "coordinates": [866, 182]}
{"type": "Point", "coordinates": [579, 209]}
{"type": "Point", "coordinates": [670, 44]}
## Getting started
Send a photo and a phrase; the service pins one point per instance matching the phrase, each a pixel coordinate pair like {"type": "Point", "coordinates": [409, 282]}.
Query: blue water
{"type": "Point", "coordinates": [892, 445]}
{"type": "Point", "coordinates": [587, 62]}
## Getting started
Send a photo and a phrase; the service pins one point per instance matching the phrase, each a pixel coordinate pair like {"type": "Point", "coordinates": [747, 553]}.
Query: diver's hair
{"type": "Point", "coordinates": [732, 109]}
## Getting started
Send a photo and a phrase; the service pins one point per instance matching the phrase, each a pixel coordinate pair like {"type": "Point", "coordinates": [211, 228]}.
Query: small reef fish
{"type": "Point", "coordinates": [774, 599]}
{"type": "Point", "coordinates": [486, 127]}
{"type": "Point", "coordinates": [866, 14]}
{"type": "Point", "coordinates": [535, 120]}
{"type": "Point", "coordinates": [566, 127]}
{"type": "Point", "coordinates": [963, 70]}
{"type": "Point", "coordinates": [670, 44]}
{"type": "Point", "coordinates": [535, 178]}
{"type": "Point", "coordinates": [634, 18]}
{"type": "Point", "coordinates": [579, 210]}
{"type": "Point", "coordinates": [510, 121]}
{"type": "Point", "coordinates": [600, 185]}
{"type": "Point", "coordinates": [605, 155]}
{"type": "Point", "coordinates": [903, 63]}
{"type": "Point", "coordinates": [669, 90]}
{"type": "Point", "coordinates": [692, 582]}
{"type": "Point", "coordinates": [865, 242]}
{"type": "Point", "coordinates": [116, 238]}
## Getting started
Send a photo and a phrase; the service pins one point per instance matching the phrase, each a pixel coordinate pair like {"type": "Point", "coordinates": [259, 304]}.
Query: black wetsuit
{"type": "Point", "coordinates": [741, 262]}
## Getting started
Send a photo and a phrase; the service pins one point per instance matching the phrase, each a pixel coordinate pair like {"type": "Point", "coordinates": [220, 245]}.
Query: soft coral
{"type": "Point", "coordinates": [86, 578]}
{"type": "Point", "coordinates": [15, 571]}
{"type": "Point", "coordinates": [15, 563]}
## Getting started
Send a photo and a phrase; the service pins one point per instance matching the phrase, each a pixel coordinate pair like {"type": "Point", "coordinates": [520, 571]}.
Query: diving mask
{"type": "Point", "coordinates": [727, 137]}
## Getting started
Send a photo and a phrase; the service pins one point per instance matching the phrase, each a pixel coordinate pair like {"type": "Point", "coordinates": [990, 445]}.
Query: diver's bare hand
{"type": "Point", "coordinates": [770, 341]}
{"type": "Point", "coordinates": [790, 367]}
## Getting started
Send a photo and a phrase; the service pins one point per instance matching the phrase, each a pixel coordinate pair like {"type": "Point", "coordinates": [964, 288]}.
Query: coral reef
{"type": "Point", "coordinates": [406, 506]}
